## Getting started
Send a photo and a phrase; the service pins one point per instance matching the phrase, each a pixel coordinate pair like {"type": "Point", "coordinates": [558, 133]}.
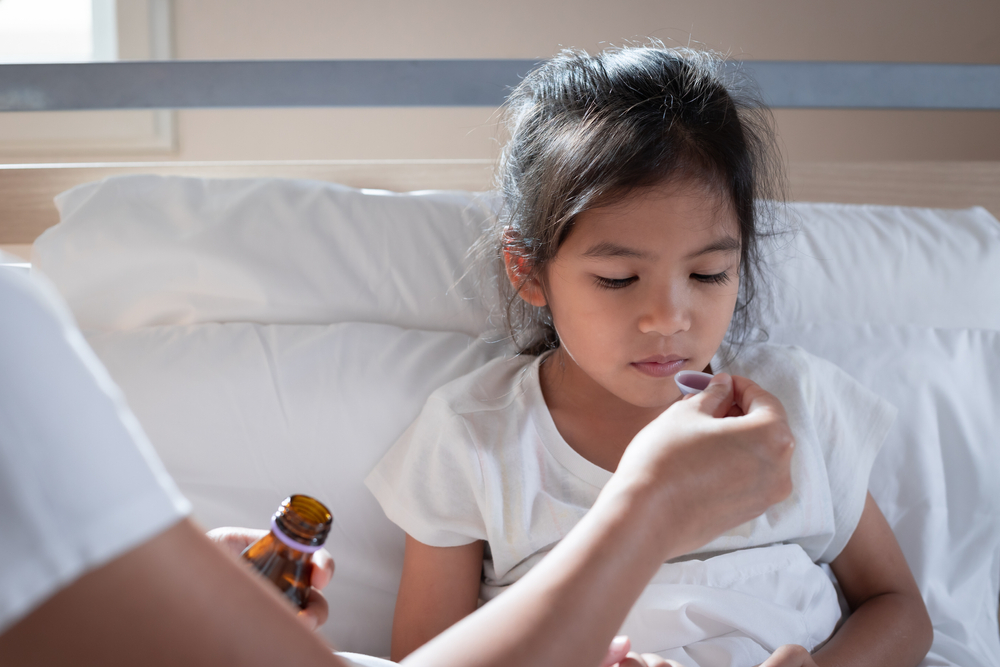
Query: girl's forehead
{"type": "Point", "coordinates": [670, 213]}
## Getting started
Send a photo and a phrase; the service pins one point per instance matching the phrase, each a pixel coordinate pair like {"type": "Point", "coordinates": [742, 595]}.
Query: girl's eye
{"type": "Point", "coordinates": [713, 279]}
{"type": "Point", "coordinates": [615, 283]}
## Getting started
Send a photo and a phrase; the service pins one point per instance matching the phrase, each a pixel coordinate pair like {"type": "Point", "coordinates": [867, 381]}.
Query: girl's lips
{"type": "Point", "coordinates": [659, 368]}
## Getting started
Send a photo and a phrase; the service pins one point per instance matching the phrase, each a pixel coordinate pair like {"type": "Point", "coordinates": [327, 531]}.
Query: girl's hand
{"type": "Point", "coordinates": [647, 660]}
{"type": "Point", "coordinates": [619, 655]}
{"type": "Point", "coordinates": [619, 648]}
{"type": "Point", "coordinates": [790, 655]}
{"type": "Point", "coordinates": [234, 540]}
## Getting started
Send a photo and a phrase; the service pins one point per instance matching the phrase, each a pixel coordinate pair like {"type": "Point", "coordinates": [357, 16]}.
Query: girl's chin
{"type": "Point", "coordinates": [652, 401]}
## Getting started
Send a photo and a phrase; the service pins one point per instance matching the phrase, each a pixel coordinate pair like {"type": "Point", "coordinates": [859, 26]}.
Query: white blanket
{"type": "Point", "coordinates": [733, 610]}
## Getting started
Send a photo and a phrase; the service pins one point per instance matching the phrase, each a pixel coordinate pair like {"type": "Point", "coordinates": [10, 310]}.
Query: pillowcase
{"type": "Point", "coordinates": [935, 477]}
{"type": "Point", "coordinates": [887, 265]}
{"type": "Point", "coordinates": [144, 250]}
{"type": "Point", "coordinates": [243, 415]}
{"type": "Point", "coordinates": [135, 251]}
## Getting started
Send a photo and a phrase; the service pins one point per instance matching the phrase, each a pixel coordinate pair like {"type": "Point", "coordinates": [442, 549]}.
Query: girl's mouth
{"type": "Point", "coordinates": [660, 367]}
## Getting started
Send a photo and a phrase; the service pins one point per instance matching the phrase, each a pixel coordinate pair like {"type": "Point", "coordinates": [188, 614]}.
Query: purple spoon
{"type": "Point", "coordinates": [692, 382]}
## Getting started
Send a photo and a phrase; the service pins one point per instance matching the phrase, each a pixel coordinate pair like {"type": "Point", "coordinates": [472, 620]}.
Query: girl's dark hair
{"type": "Point", "coordinates": [586, 131]}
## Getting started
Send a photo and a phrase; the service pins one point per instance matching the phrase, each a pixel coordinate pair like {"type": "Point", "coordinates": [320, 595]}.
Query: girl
{"type": "Point", "coordinates": [629, 236]}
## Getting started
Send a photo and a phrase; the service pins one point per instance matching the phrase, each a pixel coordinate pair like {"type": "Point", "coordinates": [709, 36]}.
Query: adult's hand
{"type": "Point", "coordinates": [714, 461]}
{"type": "Point", "coordinates": [234, 540]}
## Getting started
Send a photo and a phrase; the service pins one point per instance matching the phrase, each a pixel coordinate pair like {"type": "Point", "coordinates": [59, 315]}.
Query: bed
{"type": "Point", "coordinates": [275, 326]}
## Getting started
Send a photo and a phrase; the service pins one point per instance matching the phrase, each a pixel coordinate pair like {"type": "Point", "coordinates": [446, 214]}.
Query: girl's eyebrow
{"type": "Point", "coordinates": [726, 244]}
{"type": "Point", "coordinates": [609, 249]}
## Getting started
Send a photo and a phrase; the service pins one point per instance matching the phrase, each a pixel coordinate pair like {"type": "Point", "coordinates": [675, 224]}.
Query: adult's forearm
{"type": "Point", "coordinates": [567, 609]}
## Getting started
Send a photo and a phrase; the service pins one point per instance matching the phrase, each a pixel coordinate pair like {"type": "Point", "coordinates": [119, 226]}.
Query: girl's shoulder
{"type": "Point", "coordinates": [809, 384]}
{"type": "Point", "coordinates": [793, 375]}
{"type": "Point", "coordinates": [493, 386]}
{"type": "Point", "coordinates": [770, 364]}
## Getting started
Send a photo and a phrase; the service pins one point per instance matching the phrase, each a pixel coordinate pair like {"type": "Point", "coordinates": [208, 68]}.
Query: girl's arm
{"type": "Point", "coordinates": [889, 624]}
{"type": "Point", "coordinates": [439, 587]}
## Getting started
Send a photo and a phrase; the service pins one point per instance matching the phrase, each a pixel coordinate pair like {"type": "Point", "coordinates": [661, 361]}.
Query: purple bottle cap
{"type": "Point", "coordinates": [692, 382]}
{"type": "Point", "coordinates": [289, 542]}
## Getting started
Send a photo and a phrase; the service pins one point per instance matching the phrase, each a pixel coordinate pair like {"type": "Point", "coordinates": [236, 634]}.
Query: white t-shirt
{"type": "Point", "coordinates": [484, 461]}
{"type": "Point", "coordinates": [79, 482]}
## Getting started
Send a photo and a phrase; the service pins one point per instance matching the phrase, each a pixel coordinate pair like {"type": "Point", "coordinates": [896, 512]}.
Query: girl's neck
{"type": "Point", "coordinates": [597, 424]}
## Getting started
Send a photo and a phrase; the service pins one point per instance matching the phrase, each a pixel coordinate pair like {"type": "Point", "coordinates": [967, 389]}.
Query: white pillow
{"type": "Point", "coordinates": [144, 250]}
{"type": "Point", "coordinates": [936, 476]}
{"type": "Point", "coordinates": [244, 415]}
{"type": "Point", "coordinates": [888, 265]}
{"type": "Point", "coordinates": [135, 251]}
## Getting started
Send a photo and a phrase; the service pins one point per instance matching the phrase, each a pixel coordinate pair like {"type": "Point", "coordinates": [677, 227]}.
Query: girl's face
{"type": "Point", "coordinates": [641, 290]}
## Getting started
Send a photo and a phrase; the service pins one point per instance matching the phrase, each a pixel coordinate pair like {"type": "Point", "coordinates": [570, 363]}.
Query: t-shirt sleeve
{"type": "Point", "coordinates": [430, 483]}
{"type": "Point", "coordinates": [79, 482]}
{"type": "Point", "coordinates": [852, 423]}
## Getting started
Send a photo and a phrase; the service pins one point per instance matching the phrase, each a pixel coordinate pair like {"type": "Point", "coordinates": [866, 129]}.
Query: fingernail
{"type": "Point", "coordinates": [619, 642]}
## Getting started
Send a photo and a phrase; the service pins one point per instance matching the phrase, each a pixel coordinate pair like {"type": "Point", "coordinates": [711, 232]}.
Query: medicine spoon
{"type": "Point", "coordinates": [692, 382]}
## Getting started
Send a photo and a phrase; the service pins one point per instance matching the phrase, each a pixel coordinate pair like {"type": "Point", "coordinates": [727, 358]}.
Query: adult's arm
{"type": "Point", "coordinates": [174, 600]}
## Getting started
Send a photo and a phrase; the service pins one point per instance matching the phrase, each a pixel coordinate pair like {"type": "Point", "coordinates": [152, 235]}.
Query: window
{"type": "Point", "coordinates": [57, 31]}
{"type": "Point", "coordinates": [52, 31]}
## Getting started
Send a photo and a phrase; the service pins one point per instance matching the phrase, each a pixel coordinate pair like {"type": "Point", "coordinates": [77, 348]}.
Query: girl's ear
{"type": "Point", "coordinates": [515, 258]}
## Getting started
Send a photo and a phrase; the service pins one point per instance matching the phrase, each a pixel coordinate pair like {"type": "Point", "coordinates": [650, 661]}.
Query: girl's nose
{"type": "Point", "coordinates": [666, 314]}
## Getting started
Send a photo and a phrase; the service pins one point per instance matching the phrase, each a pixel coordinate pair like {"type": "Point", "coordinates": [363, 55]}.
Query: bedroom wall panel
{"type": "Point", "coordinates": [853, 30]}
{"type": "Point", "coordinates": [892, 30]}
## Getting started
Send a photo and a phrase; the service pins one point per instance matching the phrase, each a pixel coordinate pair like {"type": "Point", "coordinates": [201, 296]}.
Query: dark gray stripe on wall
{"type": "Point", "coordinates": [381, 83]}
{"type": "Point", "coordinates": [277, 83]}
{"type": "Point", "coordinates": [824, 85]}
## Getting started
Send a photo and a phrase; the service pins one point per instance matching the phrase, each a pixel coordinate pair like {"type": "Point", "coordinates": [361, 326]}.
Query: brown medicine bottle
{"type": "Point", "coordinates": [298, 529]}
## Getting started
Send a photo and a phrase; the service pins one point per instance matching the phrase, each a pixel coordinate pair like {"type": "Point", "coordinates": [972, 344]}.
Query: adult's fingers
{"type": "Point", "coordinates": [317, 610]}
{"type": "Point", "coordinates": [766, 411]}
{"type": "Point", "coordinates": [752, 399]}
{"type": "Point", "coordinates": [717, 397]}
{"type": "Point", "coordinates": [619, 648]}
{"type": "Point", "coordinates": [234, 540]}
{"type": "Point", "coordinates": [322, 569]}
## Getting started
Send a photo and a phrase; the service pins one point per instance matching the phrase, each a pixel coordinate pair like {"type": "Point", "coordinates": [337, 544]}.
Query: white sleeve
{"type": "Point", "coordinates": [430, 483]}
{"type": "Point", "coordinates": [852, 423]}
{"type": "Point", "coordinates": [79, 482]}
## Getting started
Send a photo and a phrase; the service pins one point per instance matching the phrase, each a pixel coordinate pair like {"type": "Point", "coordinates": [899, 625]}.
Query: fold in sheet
{"type": "Point", "coordinates": [735, 609]}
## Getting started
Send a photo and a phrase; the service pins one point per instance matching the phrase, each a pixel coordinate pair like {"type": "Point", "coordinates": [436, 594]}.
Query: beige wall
{"type": "Point", "coordinates": [861, 30]}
